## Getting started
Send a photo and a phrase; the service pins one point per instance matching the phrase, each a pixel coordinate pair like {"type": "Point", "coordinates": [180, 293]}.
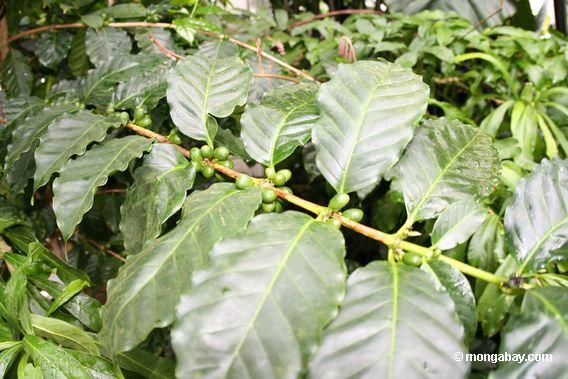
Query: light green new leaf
{"type": "Point", "coordinates": [537, 219]}
{"type": "Point", "coordinates": [144, 294]}
{"type": "Point", "coordinates": [74, 190]}
{"type": "Point", "coordinates": [17, 74]}
{"type": "Point", "coordinates": [7, 357]}
{"type": "Point", "coordinates": [63, 333]}
{"type": "Point", "coordinates": [200, 86]}
{"type": "Point", "coordinates": [26, 135]}
{"type": "Point", "coordinates": [459, 289]}
{"type": "Point", "coordinates": [457, 223]}
{"type": "Point", "coordinates": [540, 328]}
{"type": "Point", "coordinates": [107, 44]}
{"type": "Point", "coordinates": [447, 161]}
{"type": "Point", "coordinates": [68, 136]}
{"type": "Point", "coordinates": [68, 292]}
{"type": "Point", "coordinates": [266, 298]}
{"type": "Point", "coordinates": [394, 323]}
{"type": "Point", "coordinates": [56, 362]}
{"type": "Point", "coordinates": [146, 364]}
{"type": "Point", "coordinates": [368, 111]}
{"type": "Point", "coordinates": [158, 192]}
{"type": "Point", "coordinates": [282, 121]}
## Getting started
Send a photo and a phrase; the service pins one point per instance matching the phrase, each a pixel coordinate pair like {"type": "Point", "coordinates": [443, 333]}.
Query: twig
{"type": "Point", "coordinates": [333, 14]}
{"type": "Point", "coordinates": [102, 247]}
{"type": "Point", "coordinates": [259, 75]}
{"type": "Point", "coordinates": [486, 18]}
{"type": "Point", "coordinates": [245, 45]}
{"type": "Point", "coordinates": [385, 238]}
{"type": "Point", "coordinates": [112, 190]}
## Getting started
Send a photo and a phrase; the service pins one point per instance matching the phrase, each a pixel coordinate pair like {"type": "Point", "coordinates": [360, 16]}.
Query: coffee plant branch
{"type": "Point", "coordinates": [138, 24]}
{"type": "Point", "coordinates": [391, 240]}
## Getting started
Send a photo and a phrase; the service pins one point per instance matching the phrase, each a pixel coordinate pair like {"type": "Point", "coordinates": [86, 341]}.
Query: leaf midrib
{"type": "Point", "coordinates": [439, 177]}
{"type": "Point", "coordinates": [541, 240]}
{"type": "Point", "coordinates": [268, 291]}
{"type": "Point", "coordinates": [557, 314]}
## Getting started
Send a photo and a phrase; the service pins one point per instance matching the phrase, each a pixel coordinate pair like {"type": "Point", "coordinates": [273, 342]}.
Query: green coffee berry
{"type": "Point", "coordinates": [221, 153]}
{"type": "Point", "coordinates": [207, 151]}
{"type": "Point", "coordinates": [269, 172]}
{"type": "Point", "coordinates": [124, 117]}
{"type": "Point", "coordinates": [353, 214]}
{"type": "Point", "coordinates": [207, 171]}
{"type": "Point", "coordinates": [334, 222]}
{"type": "Point", "coordinates": [139, 113]}
{"type": "Point", "coordinates": [145, 122]}
{"type": "Point", "coordinates": [195, 154]}
{"type": "Point", "coordinates": [279, 179]}
{"type": "Point", "coordinates": [278, 207]}
{"type": "Point", "coordinates": [287, 173]}
{"type": "Point", "coordinates": [268, 208]}
{"type": "Point", "coordinates": [339, 201]}
{"type": "Point", "coordinates": [412, 259]}
{"type": "Point", "coordinates": [268, 195]}
{"type": "Point", "coordinates": [228, 163]}
{"type": "Point", "coordinates": [244, 181]}
{"type": "Point", "coordinates": [110, 109]}
{"type": "Point", "coordinates": [288, 190]}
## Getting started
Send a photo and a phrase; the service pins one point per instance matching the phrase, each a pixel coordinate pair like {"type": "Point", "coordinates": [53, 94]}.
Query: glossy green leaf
{"type": "Point", "coordinates": [16, 110]}
{"type": "Point", "coordinates": [52, 48]}
{"type": "Point", "coordinates": [492, 123]}
{"type": "Point", "coordinates": [494, 304]}
{"type": "Point", "coordinates": [540, 328]}
{"type": "Point", "coordinates": [63, 333]}
{"type": "Point", "coordinates": [200, 86]}
{"type": "Point", "coordinates": [145, 90]}
{"type": "Point", "coordinates": [7, 357]}
{"type": "Point", "coordinates": [78, 60]}
{"type": "Point", "coordinates": [68, 136]}
{"type": "Point", "coordinates": [394, 323]}
{"type": "Point", "coordinates": [54, 361]}
{"type": "Point", "coordinates": [537, 219]}
{"type": "Point", "coordinates": [486, 248]}
{"type": "Point", "coordinates": [25, 137]}
{"type": "Point", "coordinates": [158, 192]}
{"type": "Point", "coordinates": [368, 111]}
{"type": "Point", "coordinates": [457, 223]}
{"type": "Point", "coordinates": [146, 364]}
{"type": "Point", "coordinates": [70, 290]}
{"type": "Point", "coordinates": [107, 44]}
{"type": "Point", "coordinates": [163, 36]}
{"type": "Point", "coordinates": [96, 366]}
{"type": "Point", "coordinates": [20, 237]}
{"type": "Point", "coordinates": [16, 301]}
{"type": "Point", "coordinates": [266, 298]}
{"type": "Point", "coordinates": [152, 282]}
{"type": "Point", "coordinates": [17, 74]}
{"type": "Point", "coordinates": [64, 271]}
{"type": "Point", "coordinates": [9, 215]}
{"type": "Point", "coordinates": [74, 190]}
{"type": "Point", "coordinates": [447, 161]}
{"type": "Point", "coordinates": [281, 122]}
{"type": "Point", "coordinates": [459, 289]}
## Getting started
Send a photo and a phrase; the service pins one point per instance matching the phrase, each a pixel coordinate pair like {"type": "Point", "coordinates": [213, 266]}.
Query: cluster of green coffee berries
{"type": "Point", "coordinates": [339, 202]}
{"type": "Point", "coordinates": [219, 155]}
{"type": "Point", "coordinates": [270, 201]}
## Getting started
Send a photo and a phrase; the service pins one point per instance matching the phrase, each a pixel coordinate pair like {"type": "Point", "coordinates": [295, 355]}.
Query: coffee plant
{"type": "Point", "coordinates": [193, 192]}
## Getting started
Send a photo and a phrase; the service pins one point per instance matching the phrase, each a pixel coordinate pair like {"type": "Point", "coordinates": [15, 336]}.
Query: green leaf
{"type": "Point", "coordinates": [83, 307]}
{"type": "Point", "coordinates": [218, 49]}
{"type": "Point", "coordinates": [457, 223]}
{"type": "Point", "coordinates": [145, 90]}
{"type": "Point", "coordinates": [7, 357]}
{"type": "Point", "coordinates": [16, 110]}
{"type": "Point", "coordinates": [149, 285]}
{"type": "Point", "coordinates": [540, 328]}
{"type": "Point", "coordinates": [158, 192]}
{"type": "Point", "coordinates": [368, 111]}
{"type": "Point", "coordinates": [537, 219]}
{"type": "Point", "coordinates": [200, 86]}
{"type": "Point", "coordinates": [459, 289]}
{"type": "Point", "coordinates": [27, 134]}
{"type": "Point", "coordinates": [281, 122]}
{"type": "Point", "coordinates": [125, 11]}
{"type": "Point", "coordinates": [494, 304]}
{"type": "Point", "coordinates": [21, 237]}
{"type": "Point", "coordinates": [16, 301]}
{"type": "Point", "coordinates": [107, 44]}
{"type": "Point", "coordinates": [96, 366]}
{"type": "Point", "coordinates": [524, 128]}
{"type": "Point", "coordinates": [63, 333]}
{"type": "Point", "coordinates": [17, 74]}
{"type": "Point", "coordinates": [146, 364]}
{"type": "Point", "coordinates": [70, 290]}
{"type": "Point", "coordinates": [54, 361]}
{"type": "Point", "coordinates": [64, 271]}
{"type": "Point", "coordinates": [492, 123]}
{"type": "Point", "coordinates": [394, 323]}
{"type": "Point", "coordinates": [145, 44]}
{"type": "Point", "coordinates": [97, 87]}
{"type": "Point", "coordinates": [446, 161]}
{"type": "Point", "coordinates": [74, 190]}
{"type": "Point", "coordinates": [9, 215]}
{"type": "Point", "coordinates": [78, 60]}
{"type": "Point", "coordinates": [52, 48]}
{"type": "Point", "coordinates": [68, 136]}
{"type": "Point", "coordinates": [286, 277]}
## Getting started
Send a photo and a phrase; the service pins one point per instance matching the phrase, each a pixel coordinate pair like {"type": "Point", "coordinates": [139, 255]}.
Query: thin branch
{"type": "Point", "coordinates": [276, 76]}
{"type": "Point", "coordinates": [377, 235]}
{"type": "Point", "coordinates": [245, 45]}
{"type": "Point", "coordinates": [486, 18]}
{"type": "Point", "coordinates": [102, 248]}
{"type": "Point", "coordinates": [163, 49]}
{"type": "Point", "coordinates": [333, 14]}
